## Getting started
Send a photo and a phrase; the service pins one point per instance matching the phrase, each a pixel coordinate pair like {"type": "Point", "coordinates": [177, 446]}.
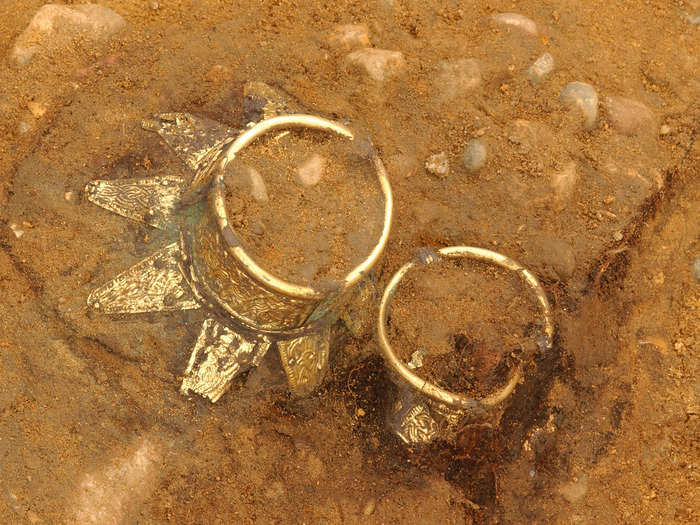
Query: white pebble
{"type": "Point", "coordinates": [564, 181]}
{"type": "Point", "coordinates": [257, 185]}
{"type": "Point", "coordinates": [23, 127]}
{"type": "Point", "coordinates": [16, 230]}
{"type": "Point", "coordinates": [583, 97]}
{"type": "Point", "coordinates": [542, 67]}
{"type": "Point", "coordinates": [516, 20]}
{"type": "Point", "coordinates": [349, 36]}
{"type": "Point", "coordinates": [474, 156]}
{"type": "Point", "coordinates": [378, 64]}
{"type": "Point", "coordinates": [438, 164]}
{"type": "Point", "coordinates": [665, 129]}
{"type": "Point", "coordinates": [310, 171]}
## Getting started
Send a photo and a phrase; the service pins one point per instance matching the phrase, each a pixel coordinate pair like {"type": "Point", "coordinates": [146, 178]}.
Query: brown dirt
{"type": "Point", "coordinates": [92, 427]}
{"type": "Point", "coordinates": [473, 320]}
{"type": "Point", "coordinates": [306, 233]}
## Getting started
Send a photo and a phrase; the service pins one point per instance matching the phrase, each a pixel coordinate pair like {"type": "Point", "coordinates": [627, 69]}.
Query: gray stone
{"type": "Point", "coordinates": [474, 156]}
{"type": "Point", "coordinates": [542, 67]}
{"type": "Point", "coordinates": [696, 269]}
{"type": "Point", "coordinates": [581, 96]}
{"type": "Point", "coordinates": [58, 26]}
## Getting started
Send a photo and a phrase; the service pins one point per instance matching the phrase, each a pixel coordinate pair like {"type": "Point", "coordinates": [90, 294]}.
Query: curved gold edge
{"type": "Point", "coordinates": [424, 386]}
{"type": "Point", "coordinates": [236, 249]}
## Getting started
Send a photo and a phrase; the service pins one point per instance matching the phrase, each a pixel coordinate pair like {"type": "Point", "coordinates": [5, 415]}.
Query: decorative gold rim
{"type": "Point", "coordinates": [430, 389]}
{"type": "Point", "coordinates": [236, 249]}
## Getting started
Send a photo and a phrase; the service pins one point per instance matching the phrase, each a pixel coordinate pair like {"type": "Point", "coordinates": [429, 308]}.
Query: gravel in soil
{"type": "Point", "coordinates": [468, 323]}
{"type": "Point", "coordinates": [320, 213]}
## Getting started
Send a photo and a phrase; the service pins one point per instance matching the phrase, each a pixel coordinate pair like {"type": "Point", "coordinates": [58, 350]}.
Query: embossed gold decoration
{"type": "Point", "coordinates": [248, 308]}
{"type": "Point", "coordinates": [418, 396]}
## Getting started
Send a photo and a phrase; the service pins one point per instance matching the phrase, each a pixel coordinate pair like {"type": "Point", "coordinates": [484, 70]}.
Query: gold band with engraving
{"type": "Point", "coordinates": [433, 391]}
{"type": "Point", "coordinates": [266, 302]}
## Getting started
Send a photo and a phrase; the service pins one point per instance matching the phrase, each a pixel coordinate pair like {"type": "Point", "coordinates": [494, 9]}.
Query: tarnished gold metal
{"type": "Point", "coordinates": [249, 308]}
{"type": "Point", "coordinates": [447, 408]}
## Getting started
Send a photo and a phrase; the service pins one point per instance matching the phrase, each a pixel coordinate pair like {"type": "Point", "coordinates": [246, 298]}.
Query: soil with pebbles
{"type": "Point", "coordinates": [321, 213]}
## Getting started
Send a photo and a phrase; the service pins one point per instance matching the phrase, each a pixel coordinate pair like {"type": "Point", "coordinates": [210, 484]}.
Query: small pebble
{"type": "Point", "coordinates": [257, 228]}
{"type": "Point", "coordinates": [154, 5]}
{"type": "Point", "coordinates": [36, 108]}
{"type": "Point", "coordinates": [438, 164]}
{"type": "Point", "coordinates": [377, 64]}
{"type": "Point", "coordinates": [618, 236]}
{"type": "Point", "coordinates": [23, 127]}
{"type": "Point", "coordinates": [696, 269]}
{"type": "Point", "coordinates": [417, 358]}
{"type": "Point", "coordinates": [257, 185]}
{"type": "Point", "coordinates": [516, 20]}
{"type": "Point", "coordinates": [542, 67]}
{"type": "Point", "coordinates": [474, 156]}
{"type": "Point", "coordinates": [584, 97]}
{"type": "Point", "coordinates": [564, 181]}
{"type": "Point", "coordinates": [33, 517]}
{"type": "Point", "coordinates": [310, 172]}
{"type": "Point", "coordinates": [348, 37]}
{"type": "Point", "coordinates": [665, 129]}
{"type": "Point", "coordinates": [456, 78]}
{"type": "Point", "coordinates": [369, 507]}
{"type": "Point", "coordinates": [68, 196]}
{"type": "Point", "coordinates": [16, 230]}
{"type": "Point", "coordinates": [360, 412]}
{"type": "Point", "coordinates": [628, 116]}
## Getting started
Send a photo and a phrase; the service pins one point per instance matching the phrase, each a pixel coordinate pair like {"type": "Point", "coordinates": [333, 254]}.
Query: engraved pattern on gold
{"type": "Point", "coordinates": [360, 313]}
{"type": "Point", "coordinates": [418, 426]}
{"type": "Point", "coordinates": [219, 355]}
{"type": "Point", "coordinates": [154, 284]}
{"type": "Point", "coordinates": [192, 138]}
{"type": "Point", "coordinates": [151, 200]}
{"type": "Point", "coordinates": [258, 306]}
{"type": "Point", "coordinates": [305, 360]}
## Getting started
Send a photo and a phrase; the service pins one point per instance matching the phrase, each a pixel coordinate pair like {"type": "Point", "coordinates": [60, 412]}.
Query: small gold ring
{"type": "Point", "coordinates": [235, 248]}
{"type": "Point", "coordinates": [430, 389]}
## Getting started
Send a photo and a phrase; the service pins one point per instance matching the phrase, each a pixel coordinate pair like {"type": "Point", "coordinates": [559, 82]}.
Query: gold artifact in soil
{"type": "Point", "coordinates": [248, 309]}
{"type": "Point", "coordinates": [422, 411]}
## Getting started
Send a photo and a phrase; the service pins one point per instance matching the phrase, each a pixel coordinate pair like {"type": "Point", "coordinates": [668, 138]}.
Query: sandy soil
{"type": "Point", "coordinates": [603, 430]}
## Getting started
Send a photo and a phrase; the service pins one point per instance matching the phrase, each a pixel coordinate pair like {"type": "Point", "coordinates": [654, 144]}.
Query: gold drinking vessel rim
{"type": "Point", "coordinates": [233, 244]}
{"type": "Point", "coordinates": [425, 387]}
